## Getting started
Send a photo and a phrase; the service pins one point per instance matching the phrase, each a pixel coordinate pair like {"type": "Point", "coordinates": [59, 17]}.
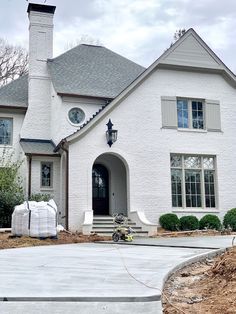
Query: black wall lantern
{"type": "Point", "coordinates": [111, 134]}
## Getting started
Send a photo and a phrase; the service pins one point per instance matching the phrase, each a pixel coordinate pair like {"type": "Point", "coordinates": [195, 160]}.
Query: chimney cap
{"type": "Point", "coordinates": [41, 8]}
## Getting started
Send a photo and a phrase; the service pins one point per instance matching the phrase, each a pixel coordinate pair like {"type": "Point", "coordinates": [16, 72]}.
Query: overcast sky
{"type": "Point", "coordinates": [137, 29]}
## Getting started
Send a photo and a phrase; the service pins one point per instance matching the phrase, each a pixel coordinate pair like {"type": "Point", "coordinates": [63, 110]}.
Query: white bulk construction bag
{"type": "Point", "coordinates": [35, 219]}
{"type": "Point", "coordinates": [20, 220]}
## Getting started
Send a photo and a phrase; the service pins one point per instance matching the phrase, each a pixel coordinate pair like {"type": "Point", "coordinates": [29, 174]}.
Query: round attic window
{"type": "Point", "coordinates": [76, 115]}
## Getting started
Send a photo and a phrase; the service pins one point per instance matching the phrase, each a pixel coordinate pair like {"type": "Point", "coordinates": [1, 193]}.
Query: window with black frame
{"type": "Point", "coordinates": [46, 174]}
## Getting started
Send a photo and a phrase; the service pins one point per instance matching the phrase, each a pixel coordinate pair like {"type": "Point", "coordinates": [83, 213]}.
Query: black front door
{"type": "Point", "coordinates": [100, 190]}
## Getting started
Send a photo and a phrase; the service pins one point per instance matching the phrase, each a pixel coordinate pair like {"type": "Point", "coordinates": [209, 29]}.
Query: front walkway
{"type": "Point", "coordinates": [108, 276]}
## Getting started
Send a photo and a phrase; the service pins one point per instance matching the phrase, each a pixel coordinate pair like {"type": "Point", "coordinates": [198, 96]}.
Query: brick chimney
{"type": "Point", "coordinates": [37, 120]}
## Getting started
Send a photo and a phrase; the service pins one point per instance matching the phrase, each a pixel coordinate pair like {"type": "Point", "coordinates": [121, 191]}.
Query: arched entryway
{"type": "Point", "coordinates": [109, 184]}
{"type": "Point", "coordinates": [100, 190]}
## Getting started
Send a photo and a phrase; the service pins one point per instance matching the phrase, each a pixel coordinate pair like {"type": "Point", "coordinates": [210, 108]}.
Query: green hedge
{"type": "Point", "coordinates": [189, 223]}
{"type": "Point", "coordinates": [11, 191]}
{"type": "Point", "coordinates": [39, 197]}
{"type": "Point", "coordinates": [169, 222]}
{"type": "Point", "coordinates": [8, 200]}
{"type": "Point", "coordinates": [210, 222]}
{"type": "Point", "coordinates": [230, 219]}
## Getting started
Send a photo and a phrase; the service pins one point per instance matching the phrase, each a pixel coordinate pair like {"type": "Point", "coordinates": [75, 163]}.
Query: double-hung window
{"type": "Point", "coordinates": [190, 114]}
{"type": "Point", "coordinates": [6, 128]}
{"type": "Point", "coordinates": [193, 181]}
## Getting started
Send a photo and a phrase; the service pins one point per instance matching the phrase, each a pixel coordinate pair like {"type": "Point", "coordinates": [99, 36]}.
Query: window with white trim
{"type": "Point", "coordinates": [190, 114]}
{"type": "Point", "coordinates": [193, 181]}
{"type": "Point", "coordinates": [6, 130]}
{"type": "Point", "coordinates": [46, 174]}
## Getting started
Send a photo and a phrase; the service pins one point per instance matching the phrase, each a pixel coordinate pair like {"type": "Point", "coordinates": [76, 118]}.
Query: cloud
{"type": "Point", "coordinates": [139, 29]}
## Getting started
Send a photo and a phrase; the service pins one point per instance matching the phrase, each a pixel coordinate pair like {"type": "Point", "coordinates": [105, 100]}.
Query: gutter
{"type": "Point", "coordinates": [61, 145]}
{"type": "Point", "coordinates": [29, 176]}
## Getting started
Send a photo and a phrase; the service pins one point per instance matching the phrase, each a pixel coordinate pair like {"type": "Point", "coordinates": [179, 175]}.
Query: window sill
{"type": "Point", "coordinates": [192, 130]}
{"type": "Point", "coordinates": [6, 146]}
{"type": "Point", "coordinates": [44, 189]}
{"type": "Point", "coordinates": [195, 210]}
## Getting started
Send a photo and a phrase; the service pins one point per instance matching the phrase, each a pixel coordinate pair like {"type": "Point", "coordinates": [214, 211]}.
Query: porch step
{"type": "Point", "coordinates": [104, 225]}
{"type": "Point", "coordinates": [111, 229]}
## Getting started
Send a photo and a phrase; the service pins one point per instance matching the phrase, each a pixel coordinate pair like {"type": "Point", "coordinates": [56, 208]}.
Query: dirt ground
{"type": "Point", "coordinates": [196, 233]}
{"type": "Point", "coordinates": [206, 287]}
{"type": "Point", "coordinates": [7, 241]}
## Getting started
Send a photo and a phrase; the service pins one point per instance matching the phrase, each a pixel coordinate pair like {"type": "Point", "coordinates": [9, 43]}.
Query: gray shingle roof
{"type": "Point", "coordinates": [38, 147]}
{"type": "Point", "coordinates": [15, 93]}
{"type": "Point", "coordinates": [84, 70]}
{"type": "Point", "coordinates": [92, 71]}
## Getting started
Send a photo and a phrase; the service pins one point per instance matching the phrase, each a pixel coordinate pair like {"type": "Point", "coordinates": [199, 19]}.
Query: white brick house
{"type": "Point", "coordinates": [175, 120]}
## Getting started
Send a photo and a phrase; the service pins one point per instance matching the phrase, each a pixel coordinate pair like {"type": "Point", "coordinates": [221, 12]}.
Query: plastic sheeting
{"type": "Point", "coordinates": [35, 219]}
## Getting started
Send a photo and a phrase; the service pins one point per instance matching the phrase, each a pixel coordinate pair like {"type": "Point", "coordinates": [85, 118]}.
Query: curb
{"type": "Point", "coordinates": [195, 259]}
{"type": "Point", "coordinates": [158, 245]}
{"type": "Point", "coordinates": [152, 298]}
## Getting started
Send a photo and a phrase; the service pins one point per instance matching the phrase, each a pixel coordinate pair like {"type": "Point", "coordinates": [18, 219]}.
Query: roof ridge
{"type": "Point", "coordinates": [95, 46]}
{"type": "Point", "coordinates": [65, 52]}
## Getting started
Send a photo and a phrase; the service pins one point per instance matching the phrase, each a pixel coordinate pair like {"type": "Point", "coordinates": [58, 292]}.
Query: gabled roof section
{"type": "Point", "coordinates": [191, 51]}
{"type": "Point", "coordinates": [171, 61]}
{"type": "Point", "coordinates": [15, 93]}
{"type": "Point", "coordinates": [92, 71]}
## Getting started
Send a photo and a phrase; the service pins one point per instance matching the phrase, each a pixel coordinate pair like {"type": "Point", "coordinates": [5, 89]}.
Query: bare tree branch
{"type": "Point", "coordinates": [84, 39]}
{"type": "Point", "coordinates": [13, 62]}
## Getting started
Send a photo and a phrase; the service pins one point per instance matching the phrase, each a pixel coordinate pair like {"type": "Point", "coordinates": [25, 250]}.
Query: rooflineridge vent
{"type": "Point", "coordinates": [41, 8]}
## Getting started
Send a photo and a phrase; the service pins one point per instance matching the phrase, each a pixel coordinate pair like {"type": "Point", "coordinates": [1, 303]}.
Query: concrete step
{"type": "Point", "coordinates": [105, 218]}
{"type": "Point", "coordinates": [104, 225]}
{"type": "Point", "coordinates": [112, 228]}
{"type": "Point", "coordinates": [105, 232]}
{"type": "Point", "coordinates": [111, 231]}
{"type": "Point", "coordinates": [111, 225]}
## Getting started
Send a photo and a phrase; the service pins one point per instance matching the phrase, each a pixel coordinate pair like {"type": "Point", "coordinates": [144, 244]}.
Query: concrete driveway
{"type": "Point", "coordinates": [93, 277]}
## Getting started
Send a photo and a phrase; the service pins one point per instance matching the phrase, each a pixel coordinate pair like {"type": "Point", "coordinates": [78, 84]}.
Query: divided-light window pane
{"type": "Point", "coordinates": [193, 181]}
{"type": "Point", "coordinates": [46, 174]}
{"type": "Point", "coordinates": [176, 161]}
{"type": "Point", "coordinates": [176, 185]}
{"type": "Point", "coordinates": [193, 188]}
{"type": "Point", "coordinates": [197, 115]}
{"type": "Point", "coordinates": [182, 113]}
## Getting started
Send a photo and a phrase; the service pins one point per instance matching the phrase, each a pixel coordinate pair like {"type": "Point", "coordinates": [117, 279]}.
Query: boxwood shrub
{"type": "Point", "coordinates": [189, 223]}
{"type": "Point", "coordinates": [230, 219]}
{"type": "Point", "coordinates": [169, 222]}
{"type": "Point", "coordinates": [210, 221]}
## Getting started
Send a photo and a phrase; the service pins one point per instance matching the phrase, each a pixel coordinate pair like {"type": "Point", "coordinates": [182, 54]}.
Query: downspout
{"type": "Point", "coordinates": [29, 176]}
{"type": "Point", "coordinates": [66, 187]}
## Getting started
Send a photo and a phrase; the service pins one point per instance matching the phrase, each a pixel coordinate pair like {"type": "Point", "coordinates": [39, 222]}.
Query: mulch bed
{"type": "Point", "coordinates": [7, 241]}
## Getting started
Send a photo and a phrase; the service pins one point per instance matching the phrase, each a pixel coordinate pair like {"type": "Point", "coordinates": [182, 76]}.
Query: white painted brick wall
{"type": "Point", "coordinates": [60, 124]}
{"type": "Point", "coordinates": [15, 149]}
{"type": "Point", "coordinates": [146, 147]}
{"type": "Point", "coordinates": [36, 178]}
